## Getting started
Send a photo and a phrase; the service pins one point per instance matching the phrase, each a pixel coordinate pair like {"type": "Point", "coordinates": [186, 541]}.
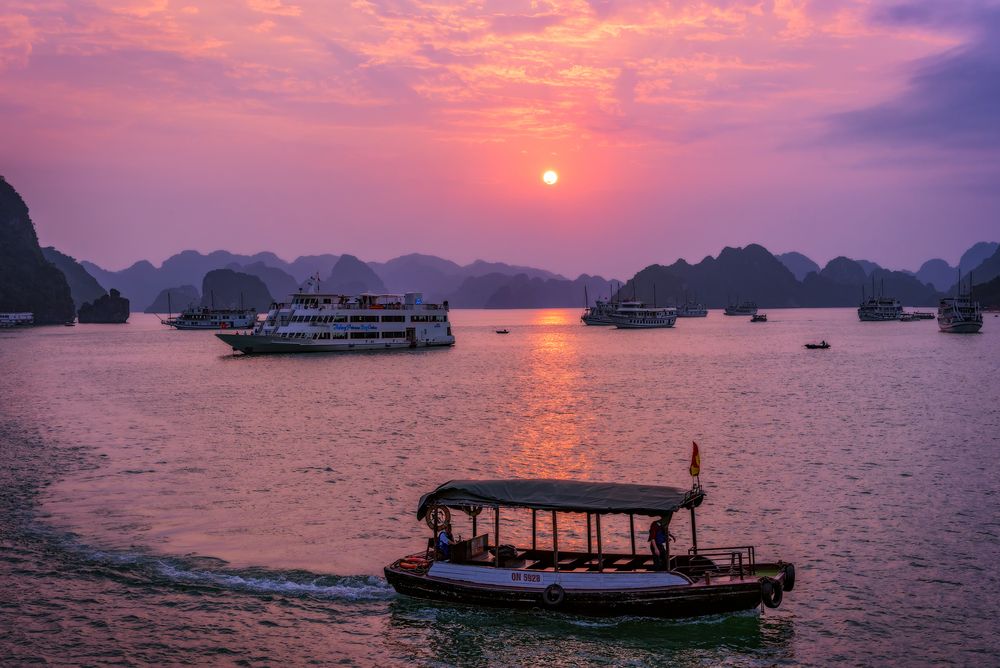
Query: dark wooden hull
{"type": "Point", "coordinates": [669, 602]}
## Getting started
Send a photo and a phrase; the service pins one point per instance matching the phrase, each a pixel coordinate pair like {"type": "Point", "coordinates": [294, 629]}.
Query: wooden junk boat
{"type": "Point", "coordinates": [705, 580]}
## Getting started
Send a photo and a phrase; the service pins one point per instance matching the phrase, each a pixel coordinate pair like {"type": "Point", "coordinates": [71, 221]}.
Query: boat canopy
{"type": "Point", "coordinates": [562, 495]}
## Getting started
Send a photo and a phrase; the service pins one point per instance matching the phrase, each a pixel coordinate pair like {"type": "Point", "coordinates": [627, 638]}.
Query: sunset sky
{"type": "Point", "coordinates": [136, 129]}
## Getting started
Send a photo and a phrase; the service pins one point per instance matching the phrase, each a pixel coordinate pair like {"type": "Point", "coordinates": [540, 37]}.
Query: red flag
{"type": "Point", "coordinates": [695, 468]}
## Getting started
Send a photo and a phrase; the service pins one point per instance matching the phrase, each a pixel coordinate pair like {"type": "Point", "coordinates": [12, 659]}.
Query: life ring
{"type": "Point", "coordinates": [789, 577]}
{"type": "Point", "coordinates": [553, 596]}
{"type": "Point", "coordinates": [770, 592]}
{"type": "Point", "coordinates": [438, 517]}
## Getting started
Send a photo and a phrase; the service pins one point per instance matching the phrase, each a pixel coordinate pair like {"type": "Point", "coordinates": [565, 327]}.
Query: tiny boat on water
{"type": "Point", "coordinates": [503, 331]}
{"type": "Point", "coordinates": [822, 345]}
{"type": "Point", "coordinates": [759, 317]}
{"type": "Point", "coordinates": [483, 571]}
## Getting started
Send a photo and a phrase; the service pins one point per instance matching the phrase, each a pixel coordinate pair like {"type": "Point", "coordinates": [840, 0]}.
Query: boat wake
{"type": "Point", "coordinates": [212, 574]}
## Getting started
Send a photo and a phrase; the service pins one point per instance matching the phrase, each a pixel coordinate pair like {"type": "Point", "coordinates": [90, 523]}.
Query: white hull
{"type": "Point", "coordinates": [639, 323]}
{"type": "Point", "coordinates": [962, 327]}
{"type": "Point", "coordinates": [878, 317]}
{"type": "Point", "coordinates": [539, 580]}
{"type": "Point", "coordinates": [315, 321]}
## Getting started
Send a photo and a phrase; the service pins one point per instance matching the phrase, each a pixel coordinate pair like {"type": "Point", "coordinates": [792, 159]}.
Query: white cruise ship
{"type": "Point", "coordinates": [960, 315]}
{"type": "Point", "coordinates": [691, 309]}
{"type": "Point", "coordinates": [879, 309]}
{"type": "Point", "coordinates": [16, 319]}
{"type": "Point", "coordinates": [599, 313]}
{"type": "Point", "coordinates": [636, 315]}
{"type": "Point", "coordinates": [213, 318]}
{"type": "Point", "coordinates": [745, 307]}
{"type": "Point", "coordinates": [315, 321]}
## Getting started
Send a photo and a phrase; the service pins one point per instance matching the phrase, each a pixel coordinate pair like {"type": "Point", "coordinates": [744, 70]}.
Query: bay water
{"type": "Point", "coordinates": [164, 501]}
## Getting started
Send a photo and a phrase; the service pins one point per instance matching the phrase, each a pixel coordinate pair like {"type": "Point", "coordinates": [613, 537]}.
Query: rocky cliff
{"type": "Point", "coordinates": [27, 281]}
{"type": "Point", "coordinates": [174, 300]}
{"type": "Point", "coordinates": [110, 308]}
{"type": "Point", "coordinates": [351, 276]}
{"type": "Point", "coordinates": [225, 288]}
{"type": "Point", "coordinates": [82, 286]}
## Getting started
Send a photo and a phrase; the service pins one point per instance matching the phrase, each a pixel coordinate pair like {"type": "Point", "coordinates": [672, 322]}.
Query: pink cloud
{"type": "Point", "coordinates": [444, 110]}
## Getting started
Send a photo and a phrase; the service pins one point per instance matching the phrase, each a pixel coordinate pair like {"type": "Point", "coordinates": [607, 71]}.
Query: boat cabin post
{"type": "Point", "coordinates": [534, 530]}
{"type": "Point", "coordinates": [555, 543]}
{"type": "Point", "coordinates": [496, 535]}
{"type": "Point", "coordinates": [631, 530]}
{"type": "Point", "coordinates": [600, 549]}
{"type": "Point", "coordinates": [694, 533]}
{"type": "Point", "coordinates": [589, 532]}
{"type": "Point", "coordinates": [474, 522]}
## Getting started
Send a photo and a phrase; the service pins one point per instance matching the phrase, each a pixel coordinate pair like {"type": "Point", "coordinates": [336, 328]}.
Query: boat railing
{"type": "Point", "coordinates": [738, 560]}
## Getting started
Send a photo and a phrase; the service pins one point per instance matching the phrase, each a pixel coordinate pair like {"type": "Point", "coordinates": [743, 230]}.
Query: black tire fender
{"type": "Point", "coordinates": [553, 596]}
{"type": "Point", "coordinates": [789, 577]}
{"type": "Point", "coordinates": [771, 592]}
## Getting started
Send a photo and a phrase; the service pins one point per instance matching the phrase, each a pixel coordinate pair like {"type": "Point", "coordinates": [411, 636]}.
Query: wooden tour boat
{"type": "Point", "coordinates": [482, 571]}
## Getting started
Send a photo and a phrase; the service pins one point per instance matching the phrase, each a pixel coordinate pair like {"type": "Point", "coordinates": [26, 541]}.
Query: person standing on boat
{"type": "Point", "coordinates": [658, 536]}
{"type": "Point", "coordinates": [444, 541]}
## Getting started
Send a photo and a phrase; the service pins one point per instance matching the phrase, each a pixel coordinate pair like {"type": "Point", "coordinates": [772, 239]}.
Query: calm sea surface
{"type": "Point", "coordinates": [164, 501]}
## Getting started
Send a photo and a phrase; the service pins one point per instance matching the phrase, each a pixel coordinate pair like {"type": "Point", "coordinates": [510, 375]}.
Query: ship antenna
{"type": "Point", "coordinates": [586, 298]}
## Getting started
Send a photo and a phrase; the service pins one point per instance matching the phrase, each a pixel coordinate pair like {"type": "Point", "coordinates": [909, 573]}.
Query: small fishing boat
{"type": "Point", "coordinates": [822, 345]}
{"type": "Point", "coordinates": [907, 317]}
{"type": "Point", "coordinates": [922, 315]}
{"type": "Point", "coordinates": [481, 570]}
{"type": "Point", "coordinates": [503, 331]}
{"type": "Point", "coordinates": [759, 317]}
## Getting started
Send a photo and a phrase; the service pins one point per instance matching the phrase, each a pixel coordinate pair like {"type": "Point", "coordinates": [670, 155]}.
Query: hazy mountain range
{"type": "Point", "coordinates": [48, 282]}
{"type": "Point", "coordinates": [788, 279]}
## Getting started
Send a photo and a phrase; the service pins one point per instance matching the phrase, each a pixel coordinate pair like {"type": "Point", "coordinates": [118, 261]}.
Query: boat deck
{"type": "Point", "coordinates": [691, 566]}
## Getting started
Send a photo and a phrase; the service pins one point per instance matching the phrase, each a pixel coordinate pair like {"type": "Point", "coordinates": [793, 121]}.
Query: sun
{"type": "Point", "coordinates": [550, 178]}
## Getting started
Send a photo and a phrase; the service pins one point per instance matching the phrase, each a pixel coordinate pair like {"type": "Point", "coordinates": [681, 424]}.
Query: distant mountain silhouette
{"type": "Point", "coordinates": [749, 273]}
{"type": "Point", "coordinates": [225, 288]}
{"type": "Point", "coordinates": [28, 282]}
{"type": "Point", "coordinates": [976, 255]}
{"type": "Point", "coordinates": [753, 273]}
{"type": "Point", "coordinates": [139, 283]}
{"type": "Point", "coordinates": [798, 264]}
{"type": "Point", "coordinates": [438, 278]}
{"type": "Point", "coordinates": [496, 290]}
{"type": "Point", "coordinates": [111, 308]}
{"type": "Point", "coordinates": [988, 293]}
{"type": "Point", "coordinates": [433, 276]}
{"type": "Point", "coordinates": [279, 283]}
{"type": "Point", "coordinates": [737, 274]}
{"type": "Point", "coordinates": [351, 276]}
{"type": "Point", "coordinates": [181, 297]}
{"type": "Point", "coordinates": [985, 272]}
{"type": "Point", "coordinates": [308, 266]}
{"type": "Point", "coordinates": [868, 266]}
{"type": "Point", "coordinates": [844, 271]}
{"type": "Point", "coordinates": [82, 286]}
{"type": "Point", "coordinates": [938, 273]}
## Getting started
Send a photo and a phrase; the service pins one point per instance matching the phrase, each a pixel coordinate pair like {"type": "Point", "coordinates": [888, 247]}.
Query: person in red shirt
{"type": "Point", "coordinates": [658, 536]}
